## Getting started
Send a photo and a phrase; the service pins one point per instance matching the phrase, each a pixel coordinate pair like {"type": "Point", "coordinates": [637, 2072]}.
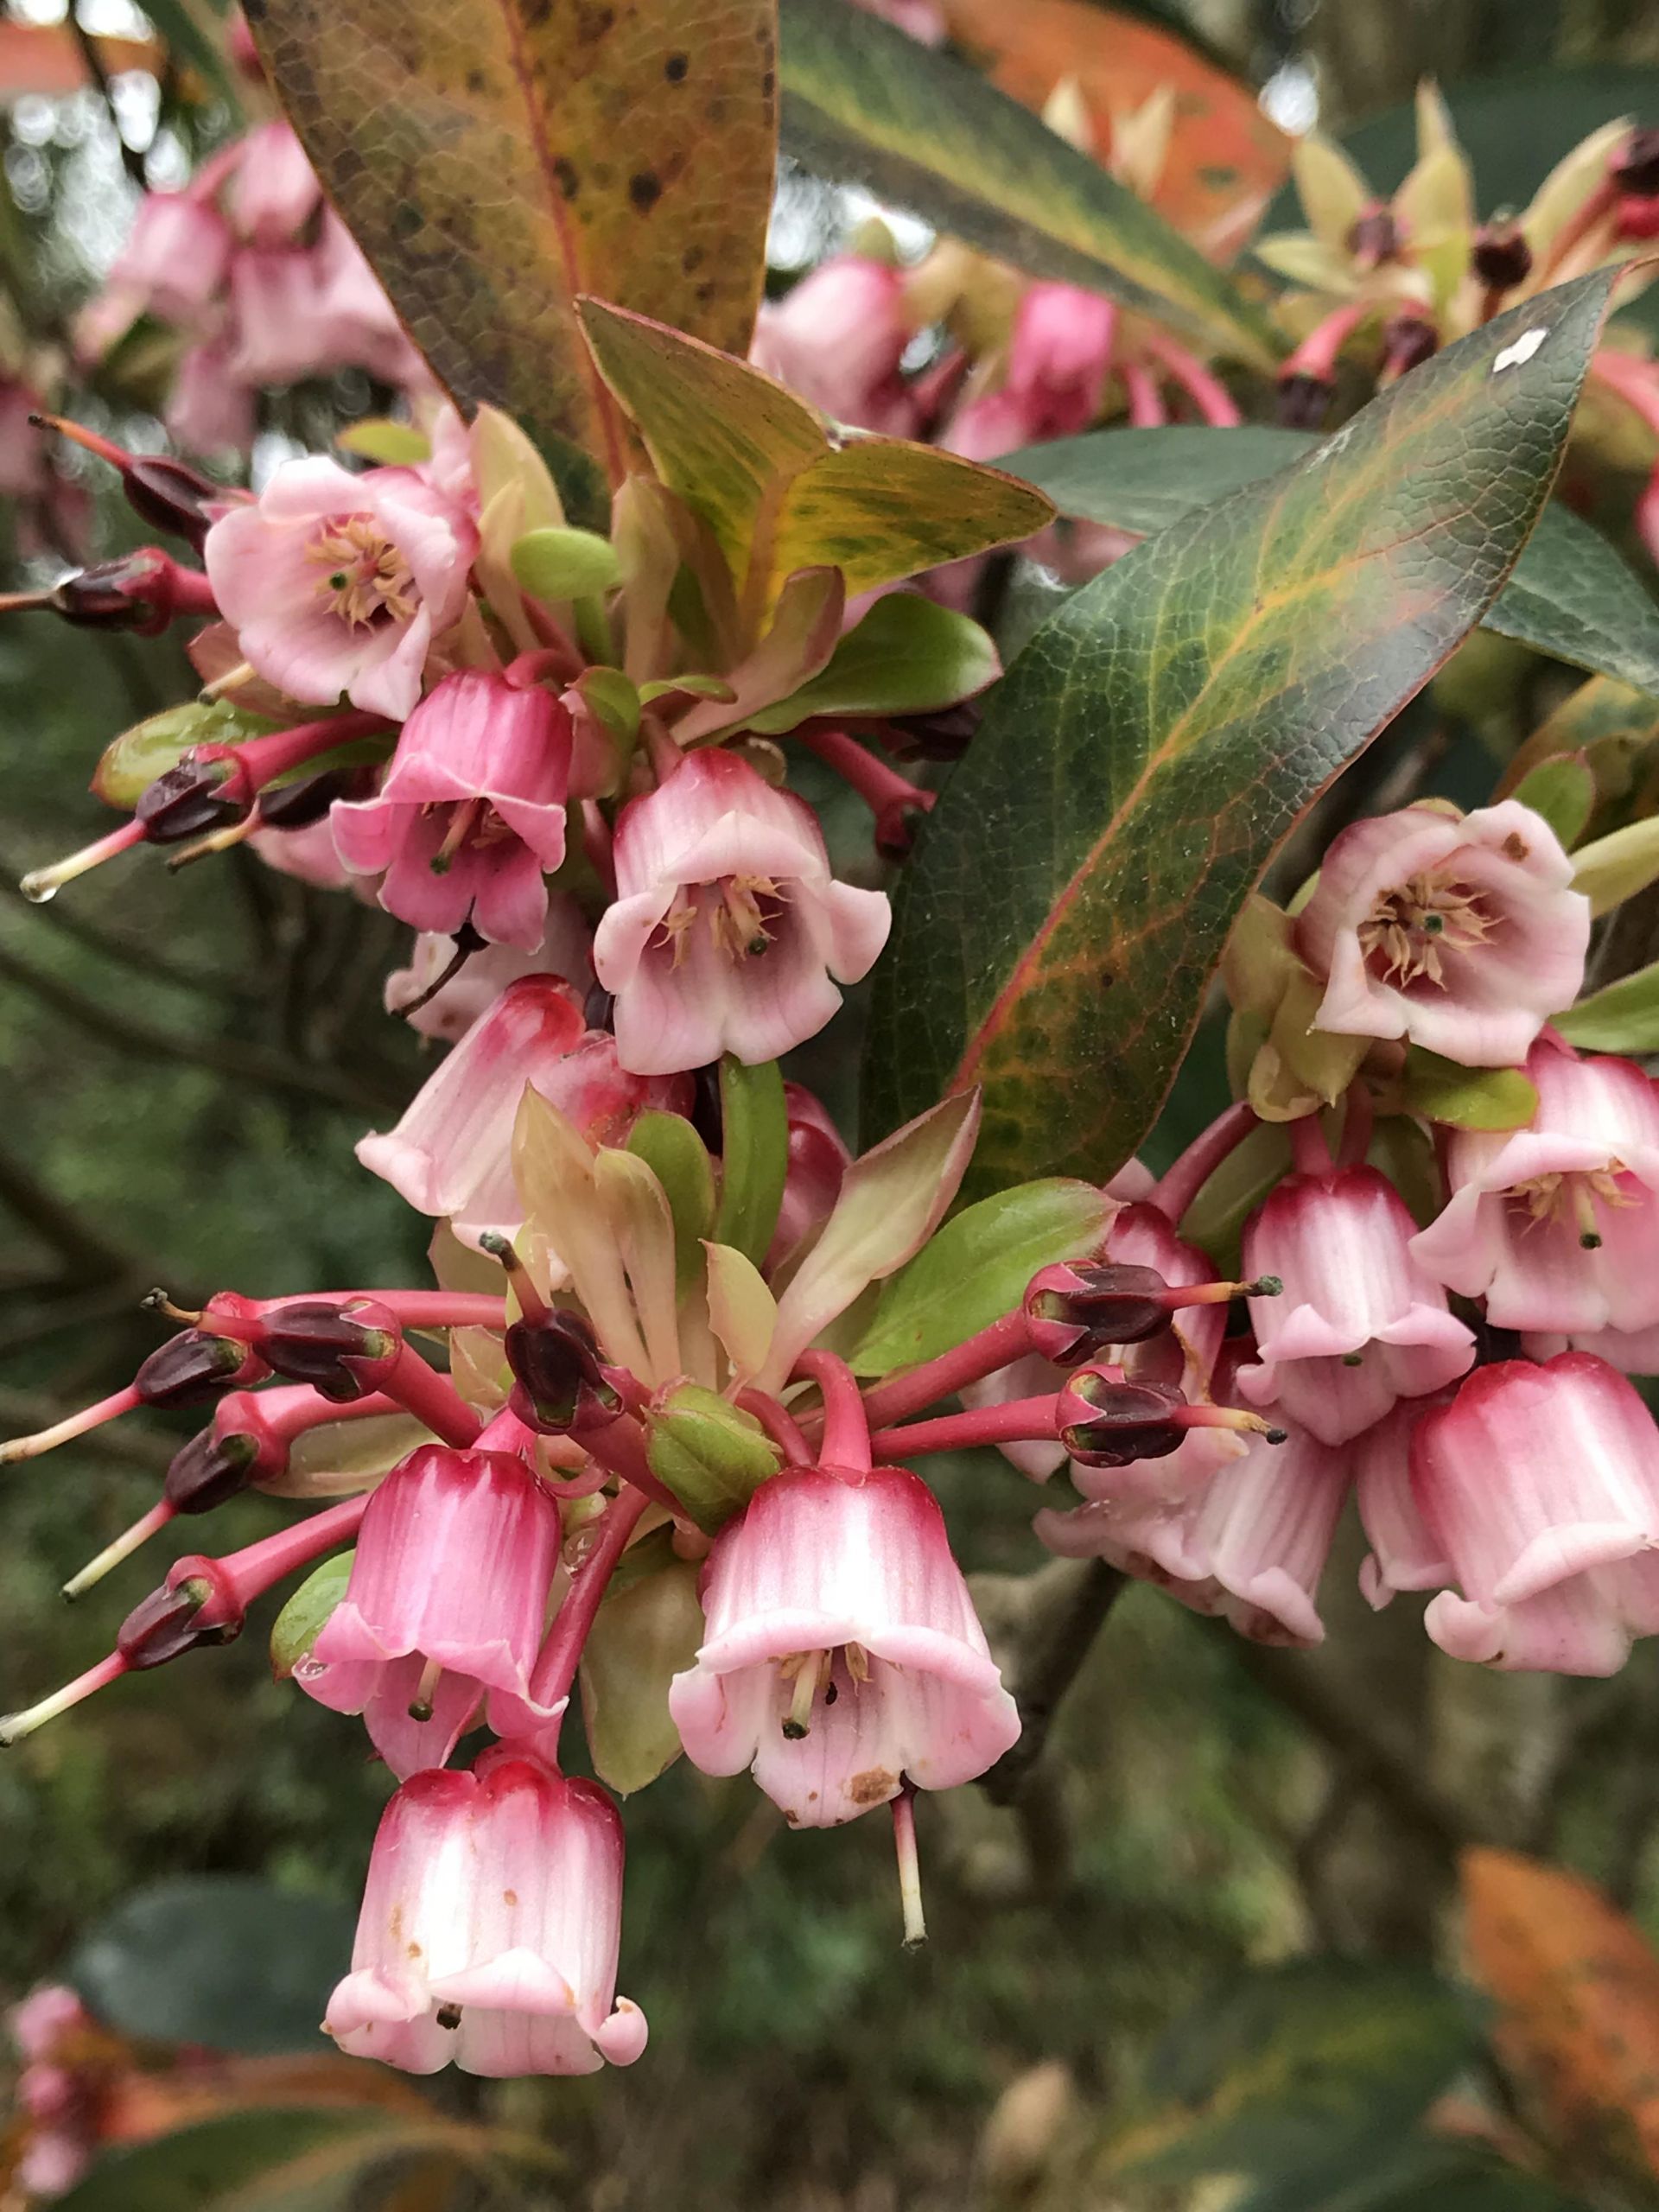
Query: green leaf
{"type": "Point", "coordinates": [976, 1269]}
{"type": "Point", "coordinates": [555, 564]}
{"type": "Point", "coordinates": [495, 162]}
{"type": "Point", "coordinates": [642, 1637]}
{"type": "Point", "coordinates": [303, 1618]}
{"type": "Point", "coordinates": [392, 445]}
{"type": "Point", "coordinates": [754, 1155]}
{"type": "Point", "coordinates": [1469, 1098]}
{"type": "Point", "coordinates": [712, 1456]}
{"type": "Point", "coordinates": [908, 656]}
{"type": "Point", "coordinates": [1563, 789]}
{"type": "Point", "coordinates": [1571, 595]}
{"type": "Point", "coordinates": [924, 131]}
{"type": "Point", "coordinates": [225, 1959]}
{"type": "Point", "coordinates": [678, 1158]}
{"type": "Point", "coordinates": [761, 468]}
{"type": "Point", "coordinates": [1163, 732]}
{"type": "Point", "coordinates": [1293, 2065]}
{"type": "Point", "coordinates": [1618, 864]}
{"type": "Point", "coordinates": [131, 763]}
{"type": "Point", "coordinates": [304, 2159]}
{"type": "Point", "coordinates": [1621, 1017]}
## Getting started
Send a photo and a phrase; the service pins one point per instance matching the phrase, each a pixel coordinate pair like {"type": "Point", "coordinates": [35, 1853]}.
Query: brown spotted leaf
{"type": "Point", "coordinates": [1069, 896]}
{"type": "Point", "coordinates": [495, 159]}
{"type": "Point", "coordinates": [780, 489]}
{"type": "Point", "coordinates": [1577, 1988]}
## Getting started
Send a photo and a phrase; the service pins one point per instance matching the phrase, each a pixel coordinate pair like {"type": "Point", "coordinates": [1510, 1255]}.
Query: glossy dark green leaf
{"type": "Point", "coordinates": [754, 1155]}
{"type": "Point", "coordinates": [310, 2158]}
{"type": "Point", "coordinates": [223, 1960]}
{"type": "Point", "coordinates": [976, 1267]}
{"type": "Point", "coordinates": [1162, 733]}
{"type": "Point", "coordinates": [925, 132]}
{"type": "Point", "coordinates": [1572, 595]}
{"type": "Point", "coordinates": [908, 656]}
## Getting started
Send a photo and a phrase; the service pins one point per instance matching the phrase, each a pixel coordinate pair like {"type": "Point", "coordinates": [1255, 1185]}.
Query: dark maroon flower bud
{"type": "Point", "coordinates": [1636, 169]}
{"type": "Point", "coordinates": [174, 1619]}
{"type": "Point", "coordinates": [170, 495]}
{"type": "Point", "coordinates": [314, 1341]}
{"type": "Point", "coordinates": [142, 591]}
{"type": "Point", "coordinates": [194, 1366]}
{"type": "Point", "coordinates": [1501, 256]}
{"type": "Point", "coordinates": [561, 1379]}
{"type": "Point", "coordinates": [209, 1469]}
{"type": "Point", "coordinates": [194, 797]}
{"type": "Point", "coordinates": [1304, 401]}
{"type": "Point", "coordinates": [599, 1009]}
{"type": "Point", "coordinates": [297, 806]}
{"type": "Point", "coordinates": [1106, 1421]}
{"type": "Point", "coordinates": [1080, 1305]}
{"type": "Point", "coordinates": [1408, 340]}
{"type": "Point", "coordinates": [946, 734]}
{"type": "Point", "coordinates": [1374, 237]}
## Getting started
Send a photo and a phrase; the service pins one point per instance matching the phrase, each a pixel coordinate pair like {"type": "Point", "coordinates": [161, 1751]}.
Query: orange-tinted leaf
{"type": "Point", "coordinates": [496, 159]}
{"type": "Point", "coordinates": [1225, 161]}
{"type": "Point", "coordinates": [1577, 1986]}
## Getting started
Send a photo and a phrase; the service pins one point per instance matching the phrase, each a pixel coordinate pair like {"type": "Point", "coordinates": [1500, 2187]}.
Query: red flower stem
{"type": "Point", "coordinates": [846, 1439]}
{"type": "Point", "coordinates": [74, 1425]}
{"type": "Point", "coordinates": [431, 1397]}
{"type": "Point", "coordinates": [251, 1572]}
{"type": "Point", "coordinates": [1146, 408]}
{"type": "Point", "coordinates": [1356, 1124]}
{"type": "Point", "coordinates": [618, 1445]}
{"type": "Point", "coordinates": [190, 592]}
{"type": "Point", "coordinates": [259, 760]}
{"type": "Point", "coordinates": [1180, 1184]}
{"type": "Point", "coordinates": [779, 1425]}
{"type": "Point", "coordinates": [412, 1309]}
{"type": "Point", "coordinates": [291, 1408]}
{"type": "Point", "coordinates": [1208, 394]}
{"type": "Point", "coordinates": [999, 1346]}
{"type": "Point", "coordinates": [1020, 1421]}
{"type": "Point", "coordinates": [1316, 356]}
{"type": "Point", "coordinates": [1309, 1150]}
{"type": "Point", "coordinates": [880, 786]}
{"type": "Point", "coordinates": [556, 1669]}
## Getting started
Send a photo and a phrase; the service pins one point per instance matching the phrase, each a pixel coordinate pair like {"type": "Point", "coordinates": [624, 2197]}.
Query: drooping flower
{"type": "Point", "coordinates": [1556, 1226]}
{"type": "Point", "coordinates": [471, 812]}
{"type": "Point", "coordinates": [446, 1600]}
{"type": "Point", "coordinates": [1359, 1324]}
{"type": "Point", "coordinates": [175, 258]}
{"type": "Point", "coordinates": [565, 950]}
{"type": "Point", "coordinates": [837, 340]}
{"type": "Point", "coordinates": [273, 193]}
{"type": "Point", "coordinates": [818, 1160]}
{"type": "Point", "coordinates": [842, 1652]}
{"type": "Point", "coordinates": [1404, 1554]}
{"type": "Point", "coordinates": [727, 924]}
{"type": "Point", "coordinates": [341, 583]}
{"type": "Point", "coordinates": [451, 1154]}
{"type": "Point", "coordinates": [490, 1927]}
{"type": "Point", "coordinates": [1540, 1485]}
{"type": "Point", "coordinates": [1463, 934]}
{"type": "Point", "coordinates": [1251, 1546]}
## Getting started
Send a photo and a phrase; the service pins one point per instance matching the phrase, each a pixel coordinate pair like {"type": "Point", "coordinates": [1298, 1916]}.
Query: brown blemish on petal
{"type": "Point", "coordinates": [1516, 846]}
{"type": "Point", "coordinates": [873, 1786]}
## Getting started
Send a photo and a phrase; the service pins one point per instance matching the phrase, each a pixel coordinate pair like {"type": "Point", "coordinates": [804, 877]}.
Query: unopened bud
{"type": "Point", "coordinates": [171, 1621]}
{"type": "Point", "coordinates": [1374, 237]}
{"type": "Point", "coordinates": [195, 796]}
{"type": "Point", "coordinates": [1500, 257]}
{"type": "Point", "coordinates": [1304, 401]}
{"type": "Point", "coordinates": [1408, 340]}
{"type": "Point", "coordinates": [946, 734]}
{"type": "Point", "coordinates": [561, 1379]}
{"type": "Point", "coordinates": [164, 493]}
{"type": "Point", "coordinates": [194, 1367]}
{"type": "Point", "coordinates": [1106, 1421]}
{"type": "Point", "coordinates": [143, 591]}
{"type": "Point", "coordinates": [312, 1341]}
{"type": "Point", "coordinates": [1636, 169]}
{"type": "Point", "coordinates": [1076, 1308]}
{"type": "Point", "coordinates": [297, 806]}
{"type": "Point", "coordinates": [209, 1469]}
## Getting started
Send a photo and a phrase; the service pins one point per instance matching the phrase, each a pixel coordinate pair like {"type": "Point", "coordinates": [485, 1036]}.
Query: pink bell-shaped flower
{"type": "Point", "coordinates": [471, 812]}
{"type": "Point", "coordinates": [1359, 1322]}
{"type": "Point", "coordinates": [446, 1599]}
{"type": "Point", "coordinates": [1404, 1554]}
{"type": "Point", "coordinates": [451, 1154]}
{"type": "Point", "coordinates": [728, 923]}
{"type": "Point", "coordinates": [175, 259]}
{"type": "Point", "coordinates": [490, 1927]}
{"type": "Point", "coordinates": [1556, 1226]}
{"type": "Point", "coordinates": [341, 583]}
{"type": "Point", "coordinates": [837, 338]}
{"type": "Point", "coordinates": [1462, 933]}
{"type": "Point", "coordinates": [273, 193]}
{"type": "Point", "coordinates": [1251, 1546]}
{"type": "Point", "coordinates": [842, 1653]}
{"type": "Point", "coordinates": [1540, 1485]}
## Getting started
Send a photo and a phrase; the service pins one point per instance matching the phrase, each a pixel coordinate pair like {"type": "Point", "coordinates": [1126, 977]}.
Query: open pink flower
{"type": "Point", "coordinates": [341, 583]}
{"type": "Point", "coordinates": [565, 951]}
{"type": "Point", "coordinates": [1359, 1322]}
{"type": "Point", "coordinates": [836, 340]}
{"type": "Point", "coordinates": [273, 193]}
{"type": "Point", "coordinates": [451, 1154]}
{"type": "Point", "coordinates": [728, 923]}
{"type": "Point", "coordinates": [1463, 935]}
{"type": "Point", "coordinates": [446, 1599]}
{"type": "Point", "coordinates": [1058, 358]}
{"type": "Point", "coordinates": [490, 1927]}
{"type": "Point", "coordinates": [1251, 1546]}
{"type": "Point", "coordinates": [1556, 1226]}
{"type": "Point", "coordinates": [841, 1651]}
{"type": "Point", "coordinates": [175, 259]}
{"type": "Point", "coordinates": [471, 812]}
{"type": "Point", "coordinates": [1540, 1485]}
{"type": "Point", "coordinates": [1405, 1554]}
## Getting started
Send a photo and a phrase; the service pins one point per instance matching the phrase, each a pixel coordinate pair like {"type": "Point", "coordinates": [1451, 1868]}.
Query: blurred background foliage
{"type": "Point", "coordinates": [1210, 1954]}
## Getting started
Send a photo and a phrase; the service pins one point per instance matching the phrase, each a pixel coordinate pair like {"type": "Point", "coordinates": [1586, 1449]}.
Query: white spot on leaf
{"type": "Point", "coordinates": [1522, 350]}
